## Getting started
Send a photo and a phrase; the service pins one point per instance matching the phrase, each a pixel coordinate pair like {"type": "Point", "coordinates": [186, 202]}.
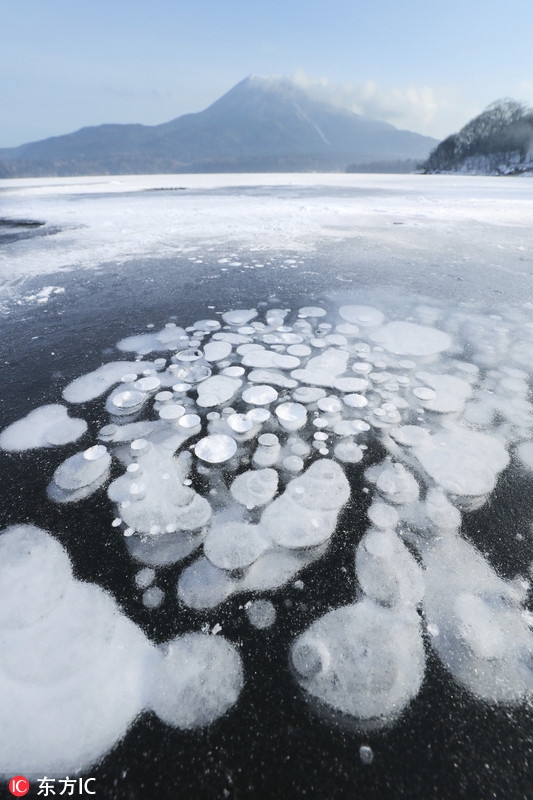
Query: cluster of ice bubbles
{"type": "Point", "coordinates": [271, 413]}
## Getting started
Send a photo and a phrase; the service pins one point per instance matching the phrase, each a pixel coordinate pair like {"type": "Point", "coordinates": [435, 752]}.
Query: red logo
{"type": "Point", "coordinates": [19, 786]}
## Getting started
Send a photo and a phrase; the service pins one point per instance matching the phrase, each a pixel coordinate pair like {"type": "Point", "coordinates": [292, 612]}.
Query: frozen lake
{"type": "Point", "coordinates": [332, 375]}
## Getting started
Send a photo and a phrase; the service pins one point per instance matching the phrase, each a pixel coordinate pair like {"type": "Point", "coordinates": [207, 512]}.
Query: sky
{"type": "Point", "coordinates": [426, 67]}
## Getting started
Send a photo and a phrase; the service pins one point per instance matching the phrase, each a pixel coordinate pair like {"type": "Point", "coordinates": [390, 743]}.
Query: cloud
{"type": "Point", "coordinates": [415, 107]}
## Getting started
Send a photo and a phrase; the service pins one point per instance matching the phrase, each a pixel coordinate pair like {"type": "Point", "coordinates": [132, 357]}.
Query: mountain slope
{"type": "Point", "coordinates": [260, 124]}
{"type": "Point", "coordinates": [497, 142]}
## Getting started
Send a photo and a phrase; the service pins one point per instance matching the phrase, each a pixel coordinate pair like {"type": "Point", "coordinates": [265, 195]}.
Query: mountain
{"type": "Point", "coordinates": [261, 125]}
{"type": "Point", "coordinates": [497, 142]}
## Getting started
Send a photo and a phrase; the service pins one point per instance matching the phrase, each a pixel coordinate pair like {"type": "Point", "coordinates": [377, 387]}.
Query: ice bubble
{"type": "Point", "coordinates": [366, 755]}
{"type": "Point", "coordinates": [166, 548]}
{"type": "Point", "coordinates": [355, 400]}
{"type": "Point", "coordinates": [148, 384]}
{"type": "Point", "coordinates": [308, 394]}
{"type": "Point", "coordinates": [94, 384]}
{"type": "Point", "coordinates": [293, 464]}
{"type": "Point", "coordinates": [386, 570]}
{"type": "Point", "coordinates": [348, 452]}
{"type": "Point", "coordinates": [192, 372]}
{"type": "Point", "coordinates": [291, 416]}
{"type": "Point", "coordinates": [524, 451]}
{"type": "Point", "coordinates": [311, 311]}
{"type": "Point", "coordinates": [34, 575]}
{"type": "Point", "coordinates": [410, 339]}
{"type": "Point", "coordinates": [260, 395]}
{"type": "Point", "coordinates": [235, 545]}
{"type": "Point", "coordinates": [45, 426]}
{"type": "Point", "coordinates": [239, 316]}
{"type": "Point", "coordinates": [153, 597]}
{"type": "Point", "coordinates": [450, 393]}
{"type": "Point", "coordinates": [202, 585]}
{"type": "Point", "coordinates": [410, 435]}
{"type": "Point", "coordinates": [83, 469]}
{"type": "Point", "coordinates": [323, 370]}
{"type": "Point", "coordinates": [197, 678]}
{"type": "Point", "coordinates": [255, 487]}
{"type": "Point", "coordinates": [362, 660]}
{"type": "Point", "coordinates": [172, 411]}
{"type": "Point", "coordinates": [268, 450]}
{"type": "Point", "coordinates": [189, 422]}
{"type": "Point", "coordinates": [261, 614]}
{"type": "Point", "coordinates": [362, 316]}
{"type": "Point", "coordinates": [423, 393]}
{"type": "Point", "coordinates": [127, 401]}
{"type": "Point", "coordinates": [461, 461]}
{"type": "Point", "coordinates": [169, 338]}
{"type": "Point", "coordinates": [216, 390]}
{"type": "Point", "coordinates": [258, 415]}
{"type": "Point", "coordinates": [269, 359]}
{"type": "Point", "coordinates": [271, 377]}
{"type": "Point", "coordinates": [217, 351]}
{"type": "Point", "coordinates": [483, 639]}
{"type": "Point", "coordinates": [383, 515]}
{"type": "Point", "coordinates": [299, 350]}
{"type": "Point", "coordinates": [396, 484]}
{"type": "Point", "coordinates": [329, 404]}
{"type": "Point", "coordinates": [240, 423]}
{"type": "Point", "coordinates": [216, 448]}
{"type": "Point", "coordinates": [144, 577]}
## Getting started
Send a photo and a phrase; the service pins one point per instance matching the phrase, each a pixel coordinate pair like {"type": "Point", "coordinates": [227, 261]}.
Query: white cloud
{"type": "Point", "coordinates": [425, 109]}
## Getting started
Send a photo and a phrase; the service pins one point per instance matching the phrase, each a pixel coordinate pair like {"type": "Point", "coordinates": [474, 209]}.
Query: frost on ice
{"type": "Point", "coordinates": [236, 448]}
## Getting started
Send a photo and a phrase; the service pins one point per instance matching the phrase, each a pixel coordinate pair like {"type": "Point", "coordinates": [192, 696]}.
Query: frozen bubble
{"type": "Point", "coordinates": [524, 451]}
{"type": "Point", "coordinates": [202, 585]}
{"type": "Point", "coordinates": [171, 411]}
{"type": "Point", "coordinates": [164, 397]}
{"type": "Point", "coordinates": [293, 464]}
{"type": "Point", "coordinates": [363, 316]}
{"type": "Point", "coordinates": [148, 384]}
{"type": "Point", "coordinates": [188, 355]}
{"type": "Point", "coordinates": [291, 416]}
{"type": "Point", "coordinates": [189, 421]}
{"type": "Point", "coordinates": [255, 487]}
{"type": "Point", "coordinates": [396, 484]}
{"type": "Point", "coordinates": [153, 597]}
{"type": "Point", "coordinates": [386, 570]}
{"type": "Point", "coordinates": [311, 311]}
{"type": "Point", "coordinates": [239, 316]}
{"type": "Point", "coordinates": [233, 372]}
{"type": "Point", "coordinates": [350, 384]}
{"type": "Point", "coordinates": [355, 400]}
{"type": "Point", "coordinates": [216, 390]}
{"type": "Point", "coordinates": [365, 754]}
{"type": "Point", "coordinates": [195, 680]}
{"type": "Point", "coordinates": [44, 427]}
{"type": "Point", "coordinates": [407, 338]}
{"type": "Point", "coordinates": [94, 384]}
{"type": "Point", "coordinates": [144, 578]}
{"type": "Point", "coordinates": [361, 660]}
{"type": "Point", "coordinates": [259, 395]}
{"type": "Point", "coordinates": [348, 452]}
{"type": "Point", "coordinates": [217, 351]}
{"type": "Point", "coordinates": [82, 469]}
{"type": "Point", "coordinates": [34, 575]}
{"type": "Point", "coordinates": [191, 373]}
{"type": "Point", "coordinates": [128, 400]}
{"type": "Point", "coordinates": [383, 515]}
{"type": "Point", "coordinates": [240, 423]}
{"type": "Point", "coordinates": [410, 435]}
{"type": "Point", "coordinates": [258, 415]}
{"type": "Point", "coordinates": [423, 393]}
{"type": "Point", "coordinates": [235, 545]}
{"type": "Point", "coordinates": [463, 462]}
{"type": "Point", "coordinates": [261, 614]}
{"type": "Point", "coordinates": [330, 404]}
{"type": "Point", "coordinates": [308, 394]}
{"type": "Point", "coordinates": [299, 350]}
{"type": "Point", "coordinates": [269, 359]}
{"type": "Point", "coordinates": [272, 378]}
{"type": "Point", "coordinates": [216, 448]}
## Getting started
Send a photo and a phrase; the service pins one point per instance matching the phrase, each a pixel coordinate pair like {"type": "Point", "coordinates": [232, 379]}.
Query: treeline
{"type": "Point", "coordinates": [400, 166]}
{"type": "Point", "coordinates": [498, 141]}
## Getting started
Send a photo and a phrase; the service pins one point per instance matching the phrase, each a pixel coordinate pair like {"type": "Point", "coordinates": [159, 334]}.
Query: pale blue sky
{"type": "Point", "coordinates": [420, 65]}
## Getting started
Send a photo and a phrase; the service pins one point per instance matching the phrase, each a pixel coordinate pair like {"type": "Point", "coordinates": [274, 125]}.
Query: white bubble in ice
{"type": "Point", "coordinates": [261, 614]}
{"type": "Point", "coordinates": [235, 545]}
{"type": "Point", "coordinates": [153, 597]}
{"type": "Point", "coordinates": [255, 487]}
{"type": "Point", "coordinates": [260, 395]}
{"type": "Point", "coordinates": [45, 426]}
{"type": "Point", "coordinates": [216, 448]}
{"type": "Point", "coordinates": [196, 679]}
{"type": "Point", "coordinates": [94, 384]}
{"type": "Point", "coordinates": [410, 339]}
{"type": "Point", "coordinates": [239, 316]}
{"type": "Point", "coordinates": [363, 316]}
{"type": "Point", "coordinates": [291, 416]}
{"type": "Point", "coordinates": [216, 390]}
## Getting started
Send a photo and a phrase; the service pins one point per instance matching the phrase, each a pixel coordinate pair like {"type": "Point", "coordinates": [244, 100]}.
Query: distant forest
{"type": "Point", "coordinates": [497, 142]}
